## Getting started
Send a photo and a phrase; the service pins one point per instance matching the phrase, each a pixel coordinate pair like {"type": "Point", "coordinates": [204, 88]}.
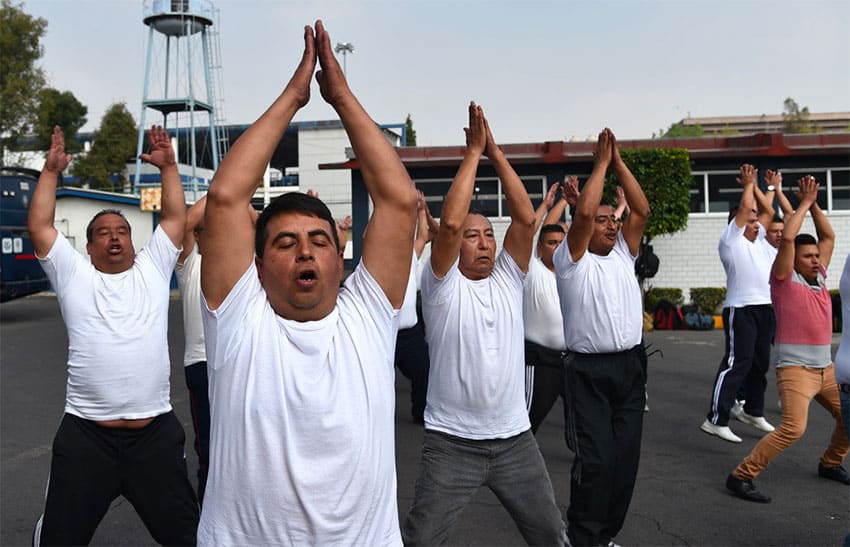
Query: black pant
{"type": "Point", "coordinates": [199, 404]}
{"type": "Point", "coordinates": [748, 334]}
{"type": "Point", "coordinates": [93, 465]}
{"type": "Point", "coordinates": [606, 395]}
{"type": "Point", "coordinates": [411, 358]}
{"type": "Point", "coordinates": [544, 381]}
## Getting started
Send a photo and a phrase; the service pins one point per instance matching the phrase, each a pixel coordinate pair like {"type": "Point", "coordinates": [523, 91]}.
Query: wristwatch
{"type": "Point", "coordinates": [771, 188]}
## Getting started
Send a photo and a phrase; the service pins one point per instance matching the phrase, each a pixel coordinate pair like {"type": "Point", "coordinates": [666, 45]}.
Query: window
{"type": "Point", "coordinates": [840, 189]}
{"type": "Point", "coordinates": [487, 196]}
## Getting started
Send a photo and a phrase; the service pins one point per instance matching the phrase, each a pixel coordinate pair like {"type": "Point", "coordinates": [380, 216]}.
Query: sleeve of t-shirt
{"type": "Point", "coordinates": [509, 271]}
{"type": "Point", "coordinates": [436, 291]}
{"type": "Point", "coordinates": [372, 305]}
{"type": "Point", "coordinates": [181, 269]}
{"type": "Point", "coordinates": [222, 325]}
{"type": "Point", "coordinates": [563, 260]}
{"type": "Point", "coordinates": [162, 252]}
{"type": "Point", "coordinates": [623, 248]}
{"type": "Point", "coordinates": [61, 263]}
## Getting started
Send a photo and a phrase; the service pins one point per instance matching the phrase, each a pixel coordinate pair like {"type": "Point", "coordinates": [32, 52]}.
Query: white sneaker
{"type": "Point", "coordinates": [737, 409]}
{"type": "Point", "coordinates": [756, 421]}
{"type": "Point", "coordinates": [721, 431]}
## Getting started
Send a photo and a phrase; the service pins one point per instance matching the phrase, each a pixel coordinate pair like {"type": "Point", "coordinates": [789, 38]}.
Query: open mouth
{"type": "Point", "coordinates": [307, 278]}
{"type": "Point", "coordinates": [115, 250]}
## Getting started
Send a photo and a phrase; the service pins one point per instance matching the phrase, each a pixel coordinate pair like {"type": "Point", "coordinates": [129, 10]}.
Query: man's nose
{"type": "Point", "coordinates": [305, 250]}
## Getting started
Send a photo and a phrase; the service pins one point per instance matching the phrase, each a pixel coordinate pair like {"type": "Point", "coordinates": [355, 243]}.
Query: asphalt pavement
{"type": "Point", "coordinates": [679, 499]}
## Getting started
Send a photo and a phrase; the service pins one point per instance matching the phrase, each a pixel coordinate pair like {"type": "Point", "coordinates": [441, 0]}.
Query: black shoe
{"type": "Point", "coordinates": [745, 489]}
{"type": "Point", "coordinates": [837, 473]}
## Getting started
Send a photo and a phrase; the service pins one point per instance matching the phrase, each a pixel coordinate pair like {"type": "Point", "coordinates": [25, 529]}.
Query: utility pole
{"type": "Point", "coordinates": [345, 48]}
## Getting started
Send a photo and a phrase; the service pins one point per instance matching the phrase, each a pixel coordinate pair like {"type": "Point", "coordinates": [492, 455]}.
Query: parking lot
{"type": "Point", "coordinates": [679, 499]}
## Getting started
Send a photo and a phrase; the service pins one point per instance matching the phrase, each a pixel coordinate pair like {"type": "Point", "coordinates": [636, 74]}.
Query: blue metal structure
{"type": "Point", "coordinates": [180, 38]}
{"type": "Point", "coordinates": [20, 272]}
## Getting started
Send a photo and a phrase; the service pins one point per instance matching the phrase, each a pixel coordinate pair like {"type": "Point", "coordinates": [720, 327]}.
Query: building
{"type": "Point", "coordinates": [688, 258]}
{"type": "Point", "coordinates": [827, 122]}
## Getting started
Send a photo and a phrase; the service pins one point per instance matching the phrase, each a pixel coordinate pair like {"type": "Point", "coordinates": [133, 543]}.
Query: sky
{"type": "Point", "coordinates": [542, 70]}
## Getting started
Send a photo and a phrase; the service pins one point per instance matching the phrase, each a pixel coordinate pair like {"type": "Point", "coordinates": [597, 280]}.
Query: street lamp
{"type": "Point", "coordinates": [345, 48]}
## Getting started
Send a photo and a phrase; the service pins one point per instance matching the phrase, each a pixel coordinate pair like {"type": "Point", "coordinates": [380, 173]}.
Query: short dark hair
{"type": "Point", "coordinates": [90, 227]}
{"type": "Point", "coordinates": [733, 212]}
{"type": "Point", "coordinates": [777, 218]}
{"type": "Point", "coordinates": [547, 228]}
{"type": "Point", "coordinates": [291, 202]}
{"type": "Point", "coordinates": [805, 239]}
{"type": "Point", "coordinates": [474, 211]}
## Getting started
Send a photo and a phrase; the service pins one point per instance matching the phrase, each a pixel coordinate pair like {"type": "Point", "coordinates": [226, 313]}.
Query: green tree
{"type": "Point", "coordinates": [796, 119]}
{"type": "Point", "coordinates": [114, 144]}
{"type": "Point", "coordinates": [63, 109]}
{"type": "Point", "coordinates": [20, 78]}
{"type": "Point", "coordinates": [680, 130]}
{"type": "Point", "coordinates": [665, 176]}
{"type": "Point", "coordinates": [411, 133]}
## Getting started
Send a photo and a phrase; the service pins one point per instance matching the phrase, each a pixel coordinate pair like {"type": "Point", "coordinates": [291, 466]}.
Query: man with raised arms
{"type": "Point", "coordinates": [477, 430]}
{"type": "Point", "coordinates": [605, 364]}
{"type": "Point", "coordinates": [301, 371]}
{"type": "Point", "coordinates": [803, 359]}
{"type": "Point", "coordinates": [119, 435]}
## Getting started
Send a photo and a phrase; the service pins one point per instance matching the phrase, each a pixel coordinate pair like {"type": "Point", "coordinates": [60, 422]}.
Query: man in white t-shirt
{"type": "Point", "coordinates": [119, 435]}
{"type": "Point", "coordinates": [476, 426]}
{"type": "Point", "coordinates": [544, 328]}
{"type": "Point", "coordinates": [188, 273]}
{"type": "Point", "coordinates": [605, 364]}
{"type": "Point", "coordinates": [411, 350]}
{"type": "Point", "coordinates": [302, 444]}
{"type": "Point", "coordinates": [748, 318]}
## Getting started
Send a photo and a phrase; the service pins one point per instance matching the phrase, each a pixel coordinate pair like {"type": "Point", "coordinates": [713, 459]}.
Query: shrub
{"type": "Point", "coordinates": [654, 294]}
{"type": "Point", "coordinates": [708, 299]}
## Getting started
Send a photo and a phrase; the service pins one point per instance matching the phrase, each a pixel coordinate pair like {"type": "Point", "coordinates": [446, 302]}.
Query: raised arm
{"type": "Point", "coordinates": [43, 206]}
{"type": "Point", "coordinates": [229, 242]}
{"type": "Point", "coordinates": [825, 233]}
{"type": "Point", "coordinates": [622, 204]}
{"type": "Point", "coordinates": [519, 238]}
{"type": "Point", "coordinates": [588, 201]}
{"type": "Point", "coordinates": [172, 216]}
{"type": "Point", "coordinates": [764, 205]}
{"type": "Point", "coordinates": [747, 181]}
{"type": "Point", "coordinates": [556, 213]}
{"type": "Point", "coordinates": [542, 210]}
{"type": "Point", "coordinates": [775, 178]}
{"type": "Point", "coordinates": [446, 247]}
{"type": "Point", "coordinates": [636, 201]}
{"type": "Point", "coordinates": [194, 219]}
{"type": "Point", "coordinates": [388, 242]}
{"type": "Point", "coordinates": [424, 234]}
{"type": "Point", "coordinates": [784, 263]}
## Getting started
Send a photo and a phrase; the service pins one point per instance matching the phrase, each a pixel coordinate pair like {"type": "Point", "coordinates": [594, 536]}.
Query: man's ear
{"type": "Point", "coordinates": [88, 248]}
{"type": "Point", "coordinates": [258, 262]}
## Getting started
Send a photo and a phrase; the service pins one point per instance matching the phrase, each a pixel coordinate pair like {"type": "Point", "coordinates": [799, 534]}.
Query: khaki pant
{"type": "Point", "coordinates": [798, 385]}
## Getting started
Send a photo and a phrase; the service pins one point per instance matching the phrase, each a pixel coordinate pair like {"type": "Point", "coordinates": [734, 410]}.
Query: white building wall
{"type": "Point", "coordinates": [689, 259]}
{"type": "Point", "coordinates": [321, 145]}
{"type": "Point", "coordinates": [73, 215]}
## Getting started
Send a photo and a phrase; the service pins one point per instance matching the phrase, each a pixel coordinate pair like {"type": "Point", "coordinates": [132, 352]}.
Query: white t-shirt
{"type": "Point", "coordinates": [600, 299]}
{"type": "Point", "coordinates": [476, 385]}
{"type": "Point", "coordinates": [118, 362]}
{"type": "Point", "coordinates": [541, 310]}
{"type": "Point", "coordinates": [302, 441]}
{"type": "Point", "coordinates": [842, 358]}
{"type": "Point", "coordinates": [189, 281]}
{"type": "Point", "coordinates": [407, 317]}
{"type": "Point", "coordinates": [747, 264]}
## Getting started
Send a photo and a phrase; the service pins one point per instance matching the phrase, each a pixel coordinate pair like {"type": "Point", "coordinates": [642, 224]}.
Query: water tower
{"type": "Point", "coordinates": [182, 83]}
